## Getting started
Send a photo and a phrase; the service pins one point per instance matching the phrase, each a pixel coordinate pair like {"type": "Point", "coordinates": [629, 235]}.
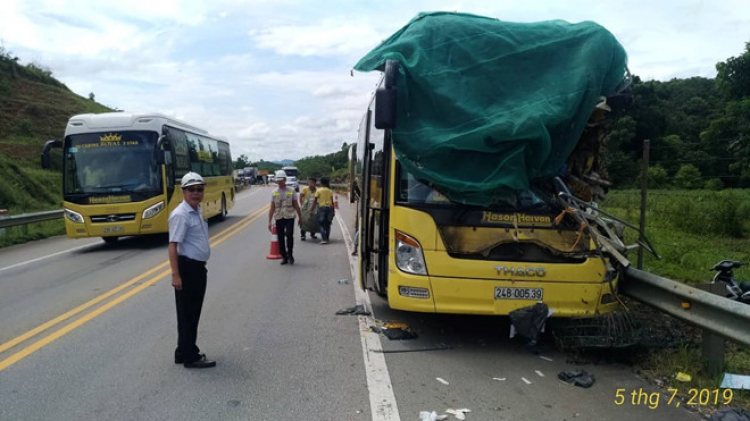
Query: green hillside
{"type": "Point", "coordinates": [34, 108]}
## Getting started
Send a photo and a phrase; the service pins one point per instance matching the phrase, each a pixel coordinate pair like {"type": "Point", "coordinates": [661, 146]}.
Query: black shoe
{"type": "Point", "coordinates": [303, 238]}
{"type": "Point", "coordinates": [291, 260]}
{"type": "Point", "coordinates": [203, 362]}
{"type": "Point", "coordinates": [314, 236]}
{"type": "Point", "coordinates": [284, 261]}
{"type": "Point", "coordinates": [180, 360]}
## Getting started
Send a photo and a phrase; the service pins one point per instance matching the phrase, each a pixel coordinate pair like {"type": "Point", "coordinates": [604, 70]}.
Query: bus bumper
{"type": "Point", "coordinates": [477, 296]}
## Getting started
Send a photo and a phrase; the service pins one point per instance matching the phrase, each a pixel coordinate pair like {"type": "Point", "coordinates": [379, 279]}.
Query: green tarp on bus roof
{"type": "Point", "coordinates": [487, 107]}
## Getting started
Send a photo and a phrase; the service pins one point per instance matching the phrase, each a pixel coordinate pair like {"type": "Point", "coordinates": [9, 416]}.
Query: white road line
{"type": "Point", "coordinates": [545, 358]}
{"type": "Point", "coordinates": [46, 257]}
{"type": "Point", "coordinates": [442, 381]}
{"type": "Point", "coordinates": [382, 400]}
{"type": "Point", "coordinates": [247, 195]}
{"type": "Point", "coordinates": [525, 381]}
{"type": "Point", "coordinates": [539, 373]}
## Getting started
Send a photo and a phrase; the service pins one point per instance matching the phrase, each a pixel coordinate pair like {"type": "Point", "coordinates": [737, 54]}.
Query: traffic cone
{"type": "Point", "coordinates": [335, 202]}
{"type": "Point", "coordinates": [274, 253]}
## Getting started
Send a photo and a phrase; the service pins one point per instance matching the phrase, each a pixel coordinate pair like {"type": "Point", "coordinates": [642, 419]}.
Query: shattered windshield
{"type": "Point", "coordinates": [111, 162]}
{"type": "Point", "coordinates": [411, 190]}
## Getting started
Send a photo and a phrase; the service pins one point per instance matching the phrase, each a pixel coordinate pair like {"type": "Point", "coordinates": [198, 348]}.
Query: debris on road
{"type": "Point", "coordinates": [343, 281]}
{"type": "Point", "coordinates": [458, 413]}
{"type": "Point", "coordinates": [438, 347]}
{"type": "Point", "coordinates": [358, 310]}
{"type": "Point", "coordinates": [431, 416]}
{"type": "Point", "coordinates": [499, 379]}
{"type": "Point", "coordinates": [735, 381]}
{"type": "Point", "coordinates": [529, 321]}
{"type": "Point", "coordinates": [683, 377]}
{"type": "Point", "coordinates": [442, 381]}
{"type": "Point", "coordinates": [579, 377]}
{"type": "Point", "coordinates": [394, 330]}
{"type": "Point", "coordinates": [730, 414]}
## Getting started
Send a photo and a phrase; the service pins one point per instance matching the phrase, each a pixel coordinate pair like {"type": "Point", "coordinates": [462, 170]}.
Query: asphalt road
{"type": "Point", "coordinates": [88, 332]}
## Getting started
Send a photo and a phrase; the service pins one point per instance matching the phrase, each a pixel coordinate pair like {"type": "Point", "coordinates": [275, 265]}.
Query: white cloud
{"type": "Point", "coordinates": [325, 39]}
{"type": "Point", "coordinates": [273, 75]}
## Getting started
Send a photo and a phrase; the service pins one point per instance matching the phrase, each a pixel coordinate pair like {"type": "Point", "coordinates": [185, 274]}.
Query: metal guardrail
{"type": "Point", "coordinates": [30, 218]}
{"type": "Point", "coordinates": [720, 315]}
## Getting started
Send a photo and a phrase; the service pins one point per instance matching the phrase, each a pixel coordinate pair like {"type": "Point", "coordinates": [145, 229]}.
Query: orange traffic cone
{"type": "Point", "coordinates": [274, 253]}
{"type": "Point", "coordinates": [335, 202]}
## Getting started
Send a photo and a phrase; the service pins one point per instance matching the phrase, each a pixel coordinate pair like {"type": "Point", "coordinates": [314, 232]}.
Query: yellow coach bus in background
{"type": "Point", "coordinates": [425, 253]}
{"type": "Point", "coordinates": [121, 172]}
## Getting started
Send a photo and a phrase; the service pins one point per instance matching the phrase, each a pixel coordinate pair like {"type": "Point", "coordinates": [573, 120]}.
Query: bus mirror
{"type": "Point", "coordinates": [385, 108]}
{"type": "Point", "coordinates": [385, 97]}
{"type": "Point", "coordinates": [164, 157]}
{"type": "Point", "coordinates": [45, 152]}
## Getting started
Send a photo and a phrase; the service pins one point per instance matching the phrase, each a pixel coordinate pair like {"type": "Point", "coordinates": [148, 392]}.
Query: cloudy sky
{"type": "Point", "coordinates": [274, 75]}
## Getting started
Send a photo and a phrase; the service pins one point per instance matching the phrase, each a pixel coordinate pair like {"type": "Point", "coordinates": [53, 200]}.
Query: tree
{"type": "Point", "coordinates": [733, 75]}
{"type": "Point", "coordinates": [241, 162]}
{"type": "Point", "coordinates": [688, 177]}
{"type": "Point", "coordinates": [657, 177]}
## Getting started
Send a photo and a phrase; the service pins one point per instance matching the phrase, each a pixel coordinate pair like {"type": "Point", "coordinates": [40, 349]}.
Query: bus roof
{"type": "Point", "coordinates": [86, 123]}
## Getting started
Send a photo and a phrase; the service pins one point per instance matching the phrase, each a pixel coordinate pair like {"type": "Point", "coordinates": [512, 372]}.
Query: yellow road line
{"type": "Point", "coordinates": [233, 229]}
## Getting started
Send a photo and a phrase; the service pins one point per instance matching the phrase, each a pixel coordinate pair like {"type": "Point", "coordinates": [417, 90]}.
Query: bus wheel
{"type": "Point", "coordinates": [223, 215]}
{"type": "Point", "coordinates": [110, 240]}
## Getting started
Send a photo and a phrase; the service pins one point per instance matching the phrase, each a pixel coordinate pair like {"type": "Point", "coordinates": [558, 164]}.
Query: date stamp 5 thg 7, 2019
{"type": "Point", "coordinates": [671, 398]}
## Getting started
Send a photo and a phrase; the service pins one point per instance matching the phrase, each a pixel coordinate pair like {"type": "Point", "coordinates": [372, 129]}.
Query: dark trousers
{"type": "Point", "coordinates": [189, 303]}
{"type": "Point", "coordinates": [285, 234]}
{"type": "Point", "coordinates": [325, 218]}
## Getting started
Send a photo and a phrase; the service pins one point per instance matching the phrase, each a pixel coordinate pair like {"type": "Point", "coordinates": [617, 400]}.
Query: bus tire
{"type": "Point", "coordinates": [110, 240]}
{"type": "Point", "coordinates": [223, 214]}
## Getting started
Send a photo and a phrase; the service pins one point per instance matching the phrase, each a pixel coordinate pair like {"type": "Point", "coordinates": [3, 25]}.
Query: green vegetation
{"type": "Point", "coordinates": [698, 130]}
{"type": "Point", "coordinates": [34, 108]}
{"type": "Point", "coordinates": [692, 230]}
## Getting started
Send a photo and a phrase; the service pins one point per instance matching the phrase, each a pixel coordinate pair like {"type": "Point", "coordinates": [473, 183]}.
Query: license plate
{"type": "Point", "coordinates": [109, 230]}
{"type": "Point", "coordinates": [513, 293]}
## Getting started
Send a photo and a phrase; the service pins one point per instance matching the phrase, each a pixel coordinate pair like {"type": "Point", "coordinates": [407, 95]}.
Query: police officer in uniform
{"type": "Point", "coordinates": [188, 252]}
{"type": "Point", "coordinates": [284, 207]}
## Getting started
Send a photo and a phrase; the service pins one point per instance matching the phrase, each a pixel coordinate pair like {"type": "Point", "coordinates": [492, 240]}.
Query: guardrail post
{"type": "Point", "coordinates": [644, 190]}
{"type": "Point", "coordinates": [3, 215]}
{"type": "Point", "coordinates": [713, 345]}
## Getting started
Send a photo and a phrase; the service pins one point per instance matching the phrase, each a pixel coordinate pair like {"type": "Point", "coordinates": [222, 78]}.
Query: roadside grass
{"type": "Point", "coordinates": [27, 190]}
{"type": "Point", "coordinates": [692, 231]}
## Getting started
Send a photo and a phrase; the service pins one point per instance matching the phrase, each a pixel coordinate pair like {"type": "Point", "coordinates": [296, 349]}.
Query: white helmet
{"type": "Point", "coordinates": [192, 179]}
{"type": "Point", "coordinates": [280, 174]}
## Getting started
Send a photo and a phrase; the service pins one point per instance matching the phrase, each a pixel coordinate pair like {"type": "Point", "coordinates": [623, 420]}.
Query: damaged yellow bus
{"type": "Point", "coordinates": [430, 248]}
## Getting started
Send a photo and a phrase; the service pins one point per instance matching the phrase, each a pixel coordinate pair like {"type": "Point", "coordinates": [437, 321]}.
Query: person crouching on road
{"type": "Point", "coordinates": [324, 201]}
{"type": "Point", "coordinates": [188, 252]}
{"type": "Point", "coordinates": [284, 207]}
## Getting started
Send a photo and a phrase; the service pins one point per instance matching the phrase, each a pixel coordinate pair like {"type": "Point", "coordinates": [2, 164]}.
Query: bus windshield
{"type": "Point", "coordinates": [291, 171]}
{"type": "Point", "coordinates": [111, 162]}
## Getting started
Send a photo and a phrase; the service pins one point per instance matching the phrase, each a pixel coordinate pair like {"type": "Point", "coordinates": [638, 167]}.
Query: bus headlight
{"type": "Point", "coordinates": [153, 210]}
{"type": "Point", "coordinates": [74, 216]}
{"type": "Point", "coordinates": [409, 256]}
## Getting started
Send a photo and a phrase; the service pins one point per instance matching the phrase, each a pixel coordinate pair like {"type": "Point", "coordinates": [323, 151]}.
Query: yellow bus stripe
{"type": "Point", "coordinates": [41, 328]}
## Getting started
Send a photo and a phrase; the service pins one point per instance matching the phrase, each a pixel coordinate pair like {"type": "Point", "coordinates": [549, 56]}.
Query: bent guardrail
{"type": "Point", "coordinates": [715, 313]}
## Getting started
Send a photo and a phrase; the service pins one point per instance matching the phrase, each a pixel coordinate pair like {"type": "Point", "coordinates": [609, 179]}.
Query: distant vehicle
{"type": "Point", "coordinates": [291, 172]}
{"type": "Point", "coordinates": [292, 182]}
{"type": "Point", "coordinates": [125, 179]}
{"type": "Point", "coordinates": [249, 174]}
